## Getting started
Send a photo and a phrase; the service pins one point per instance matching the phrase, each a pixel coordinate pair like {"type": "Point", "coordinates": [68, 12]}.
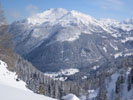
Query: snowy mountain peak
{"type": "Point", "coordinates": [62, 25]}
{"type": "Point", "coordinates": [108, 21]}
{"type": "Point", "coordinates": [53, 11]}
{"type": "Point", "coordinates": [83, 18]}
{"type": "Point", "coordinates": [74, 17]}
{"type": "Point", "coordinates": [128, 21]}
{"type": "Point", "coordinates": [50, 15]}
{"type": "Point", "coordinates": [59, 15]}
{"type": "Point", "coordinates": [125, 25]}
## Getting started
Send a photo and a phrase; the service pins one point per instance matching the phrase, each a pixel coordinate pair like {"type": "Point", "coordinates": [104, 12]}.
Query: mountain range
{"type": "Point", "coordinates": [59, 39]}
{"type": "Point", "coordinates": [68, 55]}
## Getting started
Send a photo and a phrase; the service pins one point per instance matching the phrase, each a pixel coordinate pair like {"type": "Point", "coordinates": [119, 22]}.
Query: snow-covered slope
{"type": "Point", "coordinates": [10, 78]}
{"type": "Point", "coordinates": [70, 39]}
{"type": "Point", "coordinates": [12, 88]}
{"type": "Point", "coordinates": [124, 93]}
{"type": "Point", "coordinates": [70, 97]}
{"type": "Point", "coordinates": [33, 31]}
{"type": "Point", "coordinates": [51, 15]}
{"type": "Point", "coordinates": [111, 24]}
{"type": "Point", "coordinates": [10, 93]}
{"type": "Point", "coordinates": [60, 16]}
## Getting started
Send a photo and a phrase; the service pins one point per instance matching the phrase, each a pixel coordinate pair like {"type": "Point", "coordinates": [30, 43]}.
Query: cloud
{"type": "Point", "coordinates": [31, 9]}
{"type": "Point", "coordinates": [111, 4]}
{"type": "Point", "coordinates": [14, 14]}
{"type": "Point", "coordinates": [116, 2]}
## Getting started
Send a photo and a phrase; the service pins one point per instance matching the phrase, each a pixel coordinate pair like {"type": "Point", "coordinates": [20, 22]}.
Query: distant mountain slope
{"type": "Point", "coordinates": [58, 39]}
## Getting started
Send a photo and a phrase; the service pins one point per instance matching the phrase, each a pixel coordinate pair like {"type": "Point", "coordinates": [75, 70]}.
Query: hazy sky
{"type": "Point", "coordinates": [115, 9]}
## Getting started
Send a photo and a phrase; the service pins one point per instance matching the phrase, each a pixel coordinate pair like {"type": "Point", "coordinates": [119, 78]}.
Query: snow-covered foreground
{"type": "Point", "coordinates": [10, 89]}
{"type": "Point", "coordinates": [11, 93]}
{"type": "Point", "coordinates": [9, 78]}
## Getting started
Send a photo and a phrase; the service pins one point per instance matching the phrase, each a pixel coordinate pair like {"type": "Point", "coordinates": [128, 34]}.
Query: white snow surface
{"type": "Point", "coordinates": [119, 54]}
{"type": "Point", "coordinates": [75, 22]}
{"type": "Point", "coordinates": [51, 15]}
{"type": "Point", "coordinates": [124, 54]}
{"type": "Point", "coordinates": [112, 85]}
{"type": "Point", "coordinates": [9, 78]}
{"type": "Point", "coordinates": [128, 54]}
{"type": "Point", "coordinates": [125, 25]}
{"type": "Point", "coordinates": [10, 89]}
{"type": "Point", "coordinates": [113, 46]}
{"type": "Point", "coordinates": [104, 48]}
{"type": "Point", "coordinates": [69, 25]}
{"type": "Point", "coordinates": [95, 67]}
{"type": "Point", "coordinates": [127, 39]}
{"type": "Point", "coordinates": [10, 93]}
{"type": "Point", "coordinates": [76, 17]}
{"type": "Point", "coordinates": [64, 17]}
{"type": "Point", "coordinates": [70, 97]}
{"type": "Point", "coordinates": [60, 15]}
{"type": "Point", "coordinates": [66, 72]}
{"type": "Point", "coordinates": [84, 77]}
{"type": "Point", "coordinates": [91, 95]}
{"type": "Point", "coordinates": [69, 71]}
{"type": "Point", "coordinates": [109, 22]}
{"type": "Point", "coordinates": [126, 95]}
